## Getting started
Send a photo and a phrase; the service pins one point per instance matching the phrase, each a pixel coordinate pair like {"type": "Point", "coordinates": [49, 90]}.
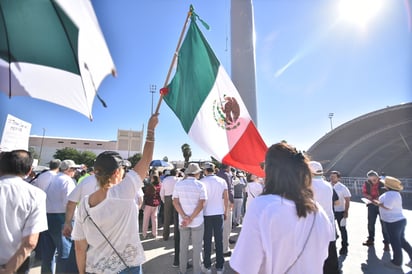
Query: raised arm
{"type": "Point", "coordinates": [143, 165]}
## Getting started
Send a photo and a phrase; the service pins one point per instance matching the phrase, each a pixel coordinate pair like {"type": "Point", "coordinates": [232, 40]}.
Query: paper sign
{"type": "Point", "coordinates": [16, 134]}
{"type": "Point", "coordinates": [366, 201]}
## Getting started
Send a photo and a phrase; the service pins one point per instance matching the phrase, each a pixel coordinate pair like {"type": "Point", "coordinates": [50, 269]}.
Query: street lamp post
{"type": "Point", "coordinates": [41, 145]}
{"type": "Point", "coordinates": [129, 143]}
{"type": "Point", "coordinates": [152, 89]}
{"type": "Point", "coordinates": [330, 118]}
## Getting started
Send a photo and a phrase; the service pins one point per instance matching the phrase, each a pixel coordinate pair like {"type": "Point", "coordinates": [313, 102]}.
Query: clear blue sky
{"type": "Point", "coordinates": [312, 58]}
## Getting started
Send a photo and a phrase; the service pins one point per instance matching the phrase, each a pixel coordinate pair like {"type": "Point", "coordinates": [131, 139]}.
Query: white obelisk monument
{"type": "Point", "coordinates": [243, 53]}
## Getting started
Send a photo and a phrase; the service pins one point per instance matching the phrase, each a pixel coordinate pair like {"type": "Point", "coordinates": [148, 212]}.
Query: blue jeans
{"type": "Point", "coordinates": [213, 227]}
{"type": "Point", "coordinates": [396, 233]}
{"type": "Point", "coordinates": [373, 213]}
{"type": "Point", "coordinates": [52, 240]}
{"type": "Point", "coordinates": [132, 270]}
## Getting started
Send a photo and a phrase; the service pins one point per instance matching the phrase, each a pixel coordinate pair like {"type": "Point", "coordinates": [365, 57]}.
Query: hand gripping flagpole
{"type": "Point", "coordinates": [174, 58]}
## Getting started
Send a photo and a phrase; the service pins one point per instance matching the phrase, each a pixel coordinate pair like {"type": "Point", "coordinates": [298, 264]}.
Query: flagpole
{"type": "Point", "coordinates": [174, 58]}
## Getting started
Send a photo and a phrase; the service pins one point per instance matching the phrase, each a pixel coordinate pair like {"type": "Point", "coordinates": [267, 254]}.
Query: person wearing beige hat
{"type": "Point", "coordinates": [189, 197]}
{"type": "Point", "coordinates": [390, 209]}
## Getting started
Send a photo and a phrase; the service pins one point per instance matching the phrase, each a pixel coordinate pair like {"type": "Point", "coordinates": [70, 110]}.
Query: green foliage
{"type": "Point", "coordinates": [166, 159]}
{"type": "Point", "coordinates": [85, 157]}
{"type": "Point", "coordinates": [135, 158]}
{"type": "Point", "coordinates": [215, 161]}
{"type": "Point", "coordinates": [33, 153]}
{"type": "Point", "coordinates": [67, 153]}
{"type": "Point", "coordinates": [187, 153]}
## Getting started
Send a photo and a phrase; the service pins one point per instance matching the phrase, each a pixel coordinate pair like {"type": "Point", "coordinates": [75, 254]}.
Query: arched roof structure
{"type": "Point", "coordinates": [380, 140]}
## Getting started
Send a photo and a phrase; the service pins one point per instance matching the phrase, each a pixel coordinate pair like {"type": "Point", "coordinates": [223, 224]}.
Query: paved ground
{"type": "Point", "coordinates": [361, 259]}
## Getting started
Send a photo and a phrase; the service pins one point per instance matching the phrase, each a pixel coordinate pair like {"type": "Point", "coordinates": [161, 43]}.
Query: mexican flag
{"type": "Point", "coordinates": [210, 108]}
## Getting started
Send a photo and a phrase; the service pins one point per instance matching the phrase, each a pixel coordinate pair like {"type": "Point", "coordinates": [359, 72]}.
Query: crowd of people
{"type": "Point", "coordinates": [288, 219]}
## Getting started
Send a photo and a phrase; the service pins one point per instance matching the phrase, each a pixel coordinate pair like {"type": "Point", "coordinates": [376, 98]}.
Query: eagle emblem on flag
{"type": "Point", "coordinates": [226, 112]}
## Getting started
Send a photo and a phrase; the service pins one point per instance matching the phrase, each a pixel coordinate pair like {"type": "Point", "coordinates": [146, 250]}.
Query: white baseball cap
{"type": "Point", "coordinates": [316, 168]}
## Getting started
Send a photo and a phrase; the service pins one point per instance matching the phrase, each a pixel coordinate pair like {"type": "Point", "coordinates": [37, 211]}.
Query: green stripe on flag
{"type": "Point", "coordinates": [195, 76]}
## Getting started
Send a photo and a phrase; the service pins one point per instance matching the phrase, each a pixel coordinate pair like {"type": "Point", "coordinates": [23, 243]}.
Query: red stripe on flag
{"type": "Point", "coordinates": [248, 153]}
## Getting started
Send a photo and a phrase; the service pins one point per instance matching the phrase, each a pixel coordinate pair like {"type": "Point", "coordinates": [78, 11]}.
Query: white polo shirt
{"type": "Point", "coordinates": [189, 191]}
{"type": "Point", "coordinates": [215, 186]}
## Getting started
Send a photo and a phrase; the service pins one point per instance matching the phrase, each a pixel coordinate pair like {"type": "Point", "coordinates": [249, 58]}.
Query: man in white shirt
{"type": "Point", "coordinates": [22, 212]}
{"type": "Point", "coordinates": [214, 213]}
{"type": "Point", "coordinates": [341, 208]}
{"type": "Point", "coordinates": [57, 192]}
{"type": "Point", "coordinates": [166, 192]}
{"type": "Point", "coordinates": [44, 179]}
{"type": "Point", "coordinates": [323, 194]}
{"type": "Point", "coordinates": [86, 187]}
{"type": "Point", "coordinates": [189, 196]}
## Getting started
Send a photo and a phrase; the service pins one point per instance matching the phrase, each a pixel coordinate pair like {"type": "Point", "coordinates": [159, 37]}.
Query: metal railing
{"type": "Point", "coordinates": [355, 186]}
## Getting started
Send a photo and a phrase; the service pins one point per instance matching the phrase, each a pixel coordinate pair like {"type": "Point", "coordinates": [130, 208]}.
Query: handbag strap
{"type": "Point", "coordinates": [104, 236]}
{"type": "Point", "coordinates": [304, 245]}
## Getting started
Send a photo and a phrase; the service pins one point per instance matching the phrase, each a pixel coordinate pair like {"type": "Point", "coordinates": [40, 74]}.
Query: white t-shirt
{"type": "Point", "coordinates": [189, 191]}
{"type": "Point", "coordinates": [22, 213]}
{"type": "Point", "coordinates": [272, 237]}
{"type": "Point", "coordinates": [215, 186]}
{"type": "Point", "coordinates": [253, 190]}
{"type": "Point", "coordinates": [168, 185]}
{"type": "Point", "coordinates": [57, 192]}
{"type": "Point", "coordinates": [117, 217]}
{"type": "Point", "coordinates": [393, 201]}
{"type": "Point", "coordinates": [44, 179]}
{"type": "Point", "coordinates": [343, 192]}
{"type": "Point", "coordinates": [139, 198]}
{"type": "Point", "coordinates": [86, 187]}
{"type": "Point", "coordinates": [323, 192]}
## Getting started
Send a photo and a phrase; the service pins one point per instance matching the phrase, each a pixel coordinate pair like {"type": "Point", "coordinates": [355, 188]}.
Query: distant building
{"type": "Point", "coordinates": [128, 143]}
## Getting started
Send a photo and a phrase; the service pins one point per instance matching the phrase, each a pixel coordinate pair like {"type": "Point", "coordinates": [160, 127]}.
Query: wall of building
{"type": "Point", "coordinates": [129, 142]}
